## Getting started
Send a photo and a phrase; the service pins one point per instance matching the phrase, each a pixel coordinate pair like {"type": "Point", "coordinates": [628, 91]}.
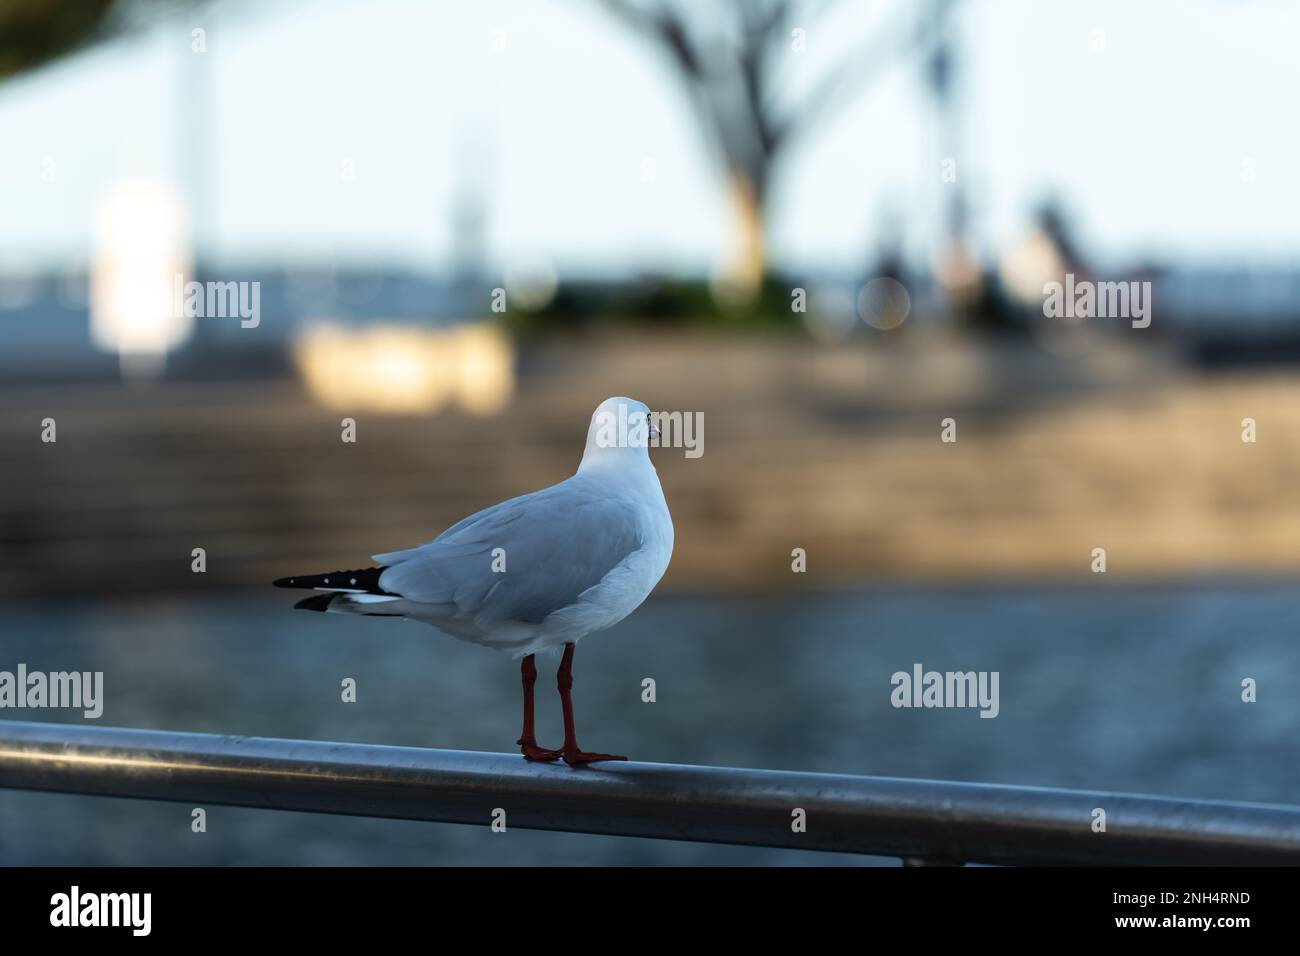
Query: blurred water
{"type": "Point", "coordinates": [1107, 688]}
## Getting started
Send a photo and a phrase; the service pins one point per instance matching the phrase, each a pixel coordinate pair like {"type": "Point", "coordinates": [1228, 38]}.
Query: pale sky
{"type": "Point", "coordinates": [341, 132]}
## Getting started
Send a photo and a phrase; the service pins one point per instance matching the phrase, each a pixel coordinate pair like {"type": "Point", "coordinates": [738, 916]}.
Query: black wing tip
{"type": "Point", "coordinates": [361, 579]}
{"type": "Point", "coordinates": [317, 602]}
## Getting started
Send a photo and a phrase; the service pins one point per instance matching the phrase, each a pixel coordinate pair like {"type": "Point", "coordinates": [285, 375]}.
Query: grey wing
{"type": "Point", "coordinates": [554, 544]}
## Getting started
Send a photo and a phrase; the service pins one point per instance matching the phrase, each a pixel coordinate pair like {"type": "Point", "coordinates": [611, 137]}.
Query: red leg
{"type": "Point", "coordinates": [564, 680]}
{"type": "Point", "coordinates": [528, 739]}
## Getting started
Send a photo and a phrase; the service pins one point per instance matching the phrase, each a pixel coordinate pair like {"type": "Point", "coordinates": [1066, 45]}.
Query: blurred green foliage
{"type": "Point", "coordinates": [33, 32]}
{"type": "Point", "coordinates": [656, 302]}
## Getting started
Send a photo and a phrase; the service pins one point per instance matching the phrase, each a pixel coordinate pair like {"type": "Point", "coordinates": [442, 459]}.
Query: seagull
{"type": "Point", "coordinates": [536, 572]}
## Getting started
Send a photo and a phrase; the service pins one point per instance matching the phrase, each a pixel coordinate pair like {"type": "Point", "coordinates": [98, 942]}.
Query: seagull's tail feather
{"type": "Point", "coordinates": [361, 581]}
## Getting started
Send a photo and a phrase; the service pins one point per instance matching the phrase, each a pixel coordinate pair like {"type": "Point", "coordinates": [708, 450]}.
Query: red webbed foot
{"type": "Point", "coordinates": [531, 751]}
{"type": "Point", "coordinates": [575, 757]}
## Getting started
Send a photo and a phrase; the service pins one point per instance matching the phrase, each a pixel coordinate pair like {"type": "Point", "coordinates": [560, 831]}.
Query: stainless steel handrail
{"type": "Point", "coordinates": [920, 820]}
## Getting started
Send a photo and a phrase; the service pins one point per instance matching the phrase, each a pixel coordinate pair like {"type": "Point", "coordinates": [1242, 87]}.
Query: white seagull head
{"type": "Point", "coordinates": [619, 435]}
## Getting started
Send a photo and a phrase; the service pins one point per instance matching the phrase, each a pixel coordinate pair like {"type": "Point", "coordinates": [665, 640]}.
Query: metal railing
{"type": "Point", "coordinates": [922, 821]}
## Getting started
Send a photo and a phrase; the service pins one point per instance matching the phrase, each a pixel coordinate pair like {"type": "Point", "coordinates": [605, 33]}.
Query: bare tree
{"type": "Point", "coordinates": [733, 55]}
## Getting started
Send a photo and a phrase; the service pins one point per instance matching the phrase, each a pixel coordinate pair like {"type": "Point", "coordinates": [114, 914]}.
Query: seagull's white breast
{"type": "Point", "coordinates": [629, 583]}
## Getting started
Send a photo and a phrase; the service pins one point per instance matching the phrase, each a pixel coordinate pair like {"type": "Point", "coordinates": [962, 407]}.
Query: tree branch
{"type": "Point", "coordinates": [855, 72]}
